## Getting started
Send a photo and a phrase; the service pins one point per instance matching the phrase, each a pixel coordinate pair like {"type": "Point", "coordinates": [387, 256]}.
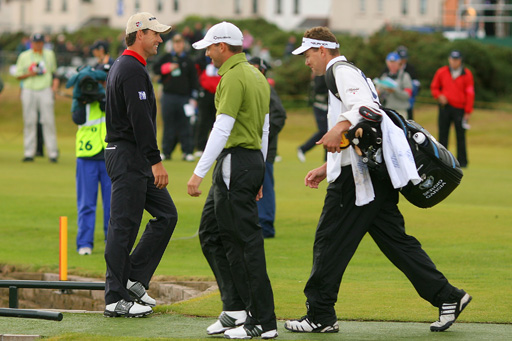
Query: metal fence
{"type": "Point", "coordinates": [14, 285]}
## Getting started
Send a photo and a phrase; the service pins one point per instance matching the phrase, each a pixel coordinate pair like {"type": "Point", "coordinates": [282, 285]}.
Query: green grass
{"type": "Point", "coordinates": [468, 235]}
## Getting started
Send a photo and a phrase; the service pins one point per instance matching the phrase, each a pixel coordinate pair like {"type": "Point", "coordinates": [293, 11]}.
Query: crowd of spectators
{"type": "Point", "coordinates": [72, 53]}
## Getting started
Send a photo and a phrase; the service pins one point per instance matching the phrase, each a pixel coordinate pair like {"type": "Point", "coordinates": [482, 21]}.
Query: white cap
{"type": "Point", "coordinates": [223, 32]}
{"type": "Point", "coordinates": [308, 43]}
{"type": "Point", "coordinates": [145, 20]}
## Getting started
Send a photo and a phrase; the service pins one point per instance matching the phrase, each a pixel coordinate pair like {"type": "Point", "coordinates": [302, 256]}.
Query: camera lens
{"type": "Point", "coordinates": [89, 86]}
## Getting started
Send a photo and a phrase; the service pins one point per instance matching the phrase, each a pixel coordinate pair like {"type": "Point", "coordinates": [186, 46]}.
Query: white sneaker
{"type": "Point", "coordinates": [227, 320]}
{"type": "Point", "coordinates": [84, 251]}
{"type": "Point", "coordinates": [301, 155]}
{"type": "Point", "coordinates": [448, 313]}
{"type": "Point", "coordinates": [198, 154]}
{"type": "Point", "coordinates": [126, 309]}
{"type": "Point", "coordinates": [271, 334]}
{"type": "Point", "coordinates": [138, 292]}
{"type": "Point", "coordinates": [305, 325]}
{"type": "Point", "coordinates": [243, 332]}
{"type": "Point", "coordinates": [189, 158]}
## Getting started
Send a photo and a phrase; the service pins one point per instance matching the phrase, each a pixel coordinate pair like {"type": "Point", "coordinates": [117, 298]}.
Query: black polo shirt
{"type": "Point", "coordinates": [131, 105]}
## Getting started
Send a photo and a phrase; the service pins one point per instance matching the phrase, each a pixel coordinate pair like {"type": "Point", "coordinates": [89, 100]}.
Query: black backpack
{"type": "Point", "coordinates": [440, 172]}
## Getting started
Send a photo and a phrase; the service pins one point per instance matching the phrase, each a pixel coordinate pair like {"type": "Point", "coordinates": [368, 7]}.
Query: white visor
{"type": "Point", "coordinates": [308, 43]}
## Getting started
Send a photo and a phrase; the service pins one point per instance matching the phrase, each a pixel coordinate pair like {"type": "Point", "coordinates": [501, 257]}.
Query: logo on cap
{"type": "Point", "coordinates": [138, 24]}
{"type": "Point", "coordinates": [319, 43]}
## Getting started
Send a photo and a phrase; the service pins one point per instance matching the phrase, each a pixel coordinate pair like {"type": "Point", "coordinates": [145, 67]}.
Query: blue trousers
{"type": "Point", "coordinates": [88, 174]}
{"type": "Point", "coordinates": [267, 204]}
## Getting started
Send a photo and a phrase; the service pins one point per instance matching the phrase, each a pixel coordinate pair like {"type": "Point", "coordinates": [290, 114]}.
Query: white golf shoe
{"type": "Point", "coordinates": [139, 294]}
{"type": "Point", "coordinates": [244, 332]}
{"type": "Point", "coordinates": [126, 309]}
{"type": "Point", "coordinates": [227, 320]}
{"type": "Point", "coordinates": [448, 313]}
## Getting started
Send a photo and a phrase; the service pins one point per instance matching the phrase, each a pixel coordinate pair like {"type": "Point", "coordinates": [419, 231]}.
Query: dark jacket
{"type": "Point", "coordinates": [131, 106]}
{"type": "Point", "coordinates": [182, 81]}
{"type": "Point", "coordinates": [277, 118]}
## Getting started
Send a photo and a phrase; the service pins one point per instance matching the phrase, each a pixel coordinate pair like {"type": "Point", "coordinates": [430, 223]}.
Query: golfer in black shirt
{"type": "Point", "coordinates": [138, 176]}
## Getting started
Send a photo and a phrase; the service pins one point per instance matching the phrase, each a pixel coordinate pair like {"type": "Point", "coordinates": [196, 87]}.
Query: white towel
{"type": "Point", "coordinates": [397, 155]}
{"type": "Point", "coordinates": [364, 187]}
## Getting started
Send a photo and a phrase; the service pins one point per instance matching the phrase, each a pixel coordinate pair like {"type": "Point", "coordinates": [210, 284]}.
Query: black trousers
{"type": "Point", "coordinates": [341, 228]}
{"type": "Point", "coordinates": [133, 190]}
{"type": "Point", "coordinates": [232, 241]}
{"type": "Point", "coordinates": [321, 123]}
{"type": "Point", "coordinates": [205, 119]}
{"type": "Point", "coordinates": [177, 127]}
{"type": "Point", "coordinates": [447, 116]}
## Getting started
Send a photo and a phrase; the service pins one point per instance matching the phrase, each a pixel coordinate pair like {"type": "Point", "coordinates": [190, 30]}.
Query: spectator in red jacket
{"type": "Point", "coordinates": [208, 81]}
{"type": "Point", "coordinates": [453, 87]}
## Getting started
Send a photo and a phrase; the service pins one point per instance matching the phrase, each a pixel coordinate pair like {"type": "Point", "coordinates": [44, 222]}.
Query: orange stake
{"type": "Point", "coordinates": [63, 248]}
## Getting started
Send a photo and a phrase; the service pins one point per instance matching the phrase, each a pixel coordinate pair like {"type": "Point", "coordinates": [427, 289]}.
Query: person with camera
{"type": "Point", "coordinates": [36, 67]}
{"type": "Point", "coordinates": [100, 51]}
{"type": "Point", "coordinates": [88, 110]}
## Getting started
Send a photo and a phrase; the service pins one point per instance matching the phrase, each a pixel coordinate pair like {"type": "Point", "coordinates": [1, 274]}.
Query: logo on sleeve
{"type": "Point", "coordinates": [142, 95]}
{"type": "Point", "coordinates": [352, 90]}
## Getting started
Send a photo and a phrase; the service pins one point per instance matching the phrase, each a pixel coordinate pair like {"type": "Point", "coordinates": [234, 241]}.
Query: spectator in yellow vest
{"type": "Point", "coordinates": [89, 114]}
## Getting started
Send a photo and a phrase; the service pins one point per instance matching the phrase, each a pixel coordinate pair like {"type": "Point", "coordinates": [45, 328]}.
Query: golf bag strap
{"type": "Point", "coordinates": [330, 80]}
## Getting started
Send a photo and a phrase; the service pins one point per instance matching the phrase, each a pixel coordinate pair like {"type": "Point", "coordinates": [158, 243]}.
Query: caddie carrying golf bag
{"type": "Point", "coordinates": [440, 172]}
